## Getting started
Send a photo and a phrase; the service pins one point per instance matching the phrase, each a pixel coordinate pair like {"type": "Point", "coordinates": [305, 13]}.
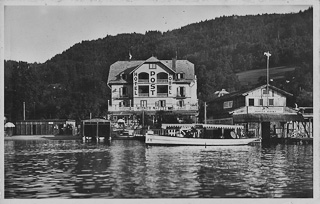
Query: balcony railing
{"type": "Point", "coordinates": [162, 94]}
{"type": "Point", "coordinates": [143, 80]}
{"type": "Point", "coordinates": [181, 96]}
{"type": "Point", "coordinates": [144, 94]}
{"type": "Point", "coordinates": [162, 81]}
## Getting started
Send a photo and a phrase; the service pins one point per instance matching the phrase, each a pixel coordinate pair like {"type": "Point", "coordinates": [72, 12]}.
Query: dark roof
{"type": "Point", "coordinates": [128, 67]}
{"type": "Point", "coordinates": [243, 118]}
{"type": "Point", "coordinates": [244, 92]}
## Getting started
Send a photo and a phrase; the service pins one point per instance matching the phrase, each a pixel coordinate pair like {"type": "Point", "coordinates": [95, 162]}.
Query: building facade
{"type": "Point", "coordinates": [151, 86]}
{"type": "Point", "coordinates": [263, 111]}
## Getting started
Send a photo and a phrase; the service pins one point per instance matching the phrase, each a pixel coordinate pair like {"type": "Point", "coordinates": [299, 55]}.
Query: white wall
{"type": "Point", "coordinates": [279, 99]}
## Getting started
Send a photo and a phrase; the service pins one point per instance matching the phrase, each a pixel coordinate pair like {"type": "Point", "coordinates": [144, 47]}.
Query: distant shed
{"type": "Point", "coordinates": [41, 127]}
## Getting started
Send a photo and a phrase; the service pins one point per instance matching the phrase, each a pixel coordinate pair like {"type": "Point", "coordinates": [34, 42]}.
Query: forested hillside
{"type": "Point", "coordinates": [73, 84]}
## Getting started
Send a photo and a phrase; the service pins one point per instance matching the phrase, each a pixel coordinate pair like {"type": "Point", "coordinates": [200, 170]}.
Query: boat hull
{"type": "Point", "coordinates": [169, 140]}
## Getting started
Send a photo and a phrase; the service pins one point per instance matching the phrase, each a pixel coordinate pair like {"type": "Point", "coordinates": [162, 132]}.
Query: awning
{"type": "Point", "coordinates": [243, 118]}
{"type": "Point", "coordinates": [9, 124]}
{"type": "Point", "coordinates": [207, 126]}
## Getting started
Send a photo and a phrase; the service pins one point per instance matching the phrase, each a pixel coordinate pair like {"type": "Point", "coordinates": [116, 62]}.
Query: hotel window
{"type": "Point", "coordinates": [143, 90]}
{"type": "Point", "coordinates": [227, 104]}
{"type": "Point", "coordinates": [152, 66]}
{"type": "Point", "coordinates": [181, 91]}
{"type": "Point", "coordinates": [162, 90]}
{"type": "Point", "coordinates": [180, 103]}
{"type": "Point", "coordinates": [143, 103]}
{"type": "Point", "coordinates": [261, 102]}
{"type": "Point", "coordinates": [271, 102]}
{"type": "Point", "coordinates": [123, 91]}
{"type": "Point", "coordinates": [162, 103]}
{"type": "Point", "coordinates": [251, 102]}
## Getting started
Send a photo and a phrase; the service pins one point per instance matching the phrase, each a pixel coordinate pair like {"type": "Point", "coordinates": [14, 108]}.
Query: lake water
{"type": "Point", "coordinates": [129, 169]}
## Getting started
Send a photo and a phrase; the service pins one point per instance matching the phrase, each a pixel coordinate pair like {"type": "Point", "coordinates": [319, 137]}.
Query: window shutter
{"type": "Point", "coordinates": [184, 91]}
{"type": "Point", "coordinates": [178, 91]}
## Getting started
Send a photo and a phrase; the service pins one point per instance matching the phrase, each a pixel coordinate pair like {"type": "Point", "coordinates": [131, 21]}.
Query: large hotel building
{"type": "Point", "coordinates": [150, 86]}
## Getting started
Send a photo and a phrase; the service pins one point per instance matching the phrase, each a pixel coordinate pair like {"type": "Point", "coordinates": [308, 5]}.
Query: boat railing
{"type": "Point", "coordinates": [143, 132]}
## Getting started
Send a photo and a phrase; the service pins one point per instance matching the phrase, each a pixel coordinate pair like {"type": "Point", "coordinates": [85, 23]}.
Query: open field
{"type": "Point", "coordinates": [252, 76]}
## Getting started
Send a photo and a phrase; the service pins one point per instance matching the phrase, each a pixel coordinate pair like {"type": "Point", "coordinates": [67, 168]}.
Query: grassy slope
{"type": "Point", "coordinates": [252, 76]}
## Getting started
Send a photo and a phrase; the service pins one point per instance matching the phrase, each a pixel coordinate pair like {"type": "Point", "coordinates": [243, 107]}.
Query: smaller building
{"type": "Point", "coordinates": [263, 111]}
{"type": "Point", "coordinates": [44, 127]}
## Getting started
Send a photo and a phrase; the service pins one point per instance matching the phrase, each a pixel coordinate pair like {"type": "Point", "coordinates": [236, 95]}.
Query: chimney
{"type": "Point", "coordinates": [174, 62]}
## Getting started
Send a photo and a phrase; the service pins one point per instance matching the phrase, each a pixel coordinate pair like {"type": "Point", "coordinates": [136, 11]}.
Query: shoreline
{"type": "Point", "coordinates": [42, 137]}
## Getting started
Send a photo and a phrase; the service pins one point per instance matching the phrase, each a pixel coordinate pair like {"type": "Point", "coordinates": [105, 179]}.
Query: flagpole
{"type": "Point", "coordinates": [268, 56]}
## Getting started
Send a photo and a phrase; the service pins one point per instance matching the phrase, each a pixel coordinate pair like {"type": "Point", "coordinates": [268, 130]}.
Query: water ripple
{"type": "Point", "coordinates": [127, 169]}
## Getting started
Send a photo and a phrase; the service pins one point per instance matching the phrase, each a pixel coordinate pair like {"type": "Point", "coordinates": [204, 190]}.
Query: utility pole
{"type": "Point", "coordinates": [205, 112]}
{"type": "Point", "coordinates": [24, 110]}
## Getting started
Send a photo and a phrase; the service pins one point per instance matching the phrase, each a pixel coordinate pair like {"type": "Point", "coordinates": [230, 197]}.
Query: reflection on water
{"type": "Point", "coordinates": [129, 169]}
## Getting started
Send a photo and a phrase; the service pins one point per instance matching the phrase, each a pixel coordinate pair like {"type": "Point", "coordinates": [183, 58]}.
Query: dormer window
{"type": "Point", "coordinates": [123, 76]}
{"type": "Point", "coordinates": [180, 76]}
{"type": "Point", "coordinates": [152, 66]}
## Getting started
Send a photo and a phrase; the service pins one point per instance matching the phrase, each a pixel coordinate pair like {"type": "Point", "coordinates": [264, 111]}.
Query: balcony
{"type": "Point", "coordinates": [179, 96]}
{"type": "Point", "coordinates": [193, 107]}
{"type": "Point", "coordinates": [122, 96]}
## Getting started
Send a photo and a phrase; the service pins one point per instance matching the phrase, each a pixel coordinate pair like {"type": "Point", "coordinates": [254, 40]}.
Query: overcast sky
{"type": "Point", "coordinates": [37, 33]}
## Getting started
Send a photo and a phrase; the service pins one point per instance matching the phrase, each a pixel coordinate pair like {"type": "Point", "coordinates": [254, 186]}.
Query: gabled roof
{"type": "Point", "coordinates": [270, 87]}
{"type": "Point", "coordinates": [120, 67]}
{"type": "Point", "coordinates": [127, 67]}
{"type": "Point", "coordinates": [152, 59]}
{"type": "Point", "coordinates": [245, 92]}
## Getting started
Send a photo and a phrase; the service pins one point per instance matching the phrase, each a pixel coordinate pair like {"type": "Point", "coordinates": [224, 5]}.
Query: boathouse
{"type": "Point", "coordinates": [43, 127]}
{"type": "Point", "coordinates": [263, 111]}
{"type": "Point", "coordinates": [95, 128]}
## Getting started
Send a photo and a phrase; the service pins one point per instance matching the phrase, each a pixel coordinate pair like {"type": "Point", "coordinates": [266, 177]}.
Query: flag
{"type": "Point", "coordinates": [267, 54]}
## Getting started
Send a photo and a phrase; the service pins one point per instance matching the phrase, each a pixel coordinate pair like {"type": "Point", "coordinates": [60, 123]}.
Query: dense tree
{"type": "Point", "coordinates": [73, 84]}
